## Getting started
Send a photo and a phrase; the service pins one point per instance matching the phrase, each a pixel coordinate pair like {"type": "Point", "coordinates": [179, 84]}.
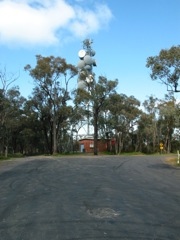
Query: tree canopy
{"type": "Point", "coordinates": [166, 67]}
{"type": "Point", "coordinates": [50, 119]}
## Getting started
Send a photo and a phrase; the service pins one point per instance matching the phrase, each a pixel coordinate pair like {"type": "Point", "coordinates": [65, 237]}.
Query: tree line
{"type": "Point", "coordinates": [50, 119]}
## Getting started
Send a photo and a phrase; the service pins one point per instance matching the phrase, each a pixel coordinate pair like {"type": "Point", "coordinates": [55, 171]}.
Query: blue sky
{"type": "Point", "coordinates": [124, 32]}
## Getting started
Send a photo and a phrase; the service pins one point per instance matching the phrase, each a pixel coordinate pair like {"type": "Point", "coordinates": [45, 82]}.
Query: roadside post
{"type": "Point", "coordinates": [161, 146]}
{"type": "Point", "coordinates": [178, 157]}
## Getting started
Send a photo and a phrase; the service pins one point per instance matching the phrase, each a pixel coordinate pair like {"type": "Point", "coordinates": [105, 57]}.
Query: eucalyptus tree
{"type": "Point", "coordinates": [31, 139]}
{"type": "Point", "coordinates": [145, 133]}
{"type": "Point", "coordinates": [165, 67]}
{"type": "Point", "coordinates": [9, 98]}
{"type": "Point", "coordinates": [176, 134]}
{"type": "Point", "coordinates": [100, 94]}
{"type": "Point", "coordinates": [11, 124]}
{"type": "Point", "coordinates": [150, 127]}
{"type": "Point", "coordinates": [177, 114]}
{"type": "Point", "coordinates": [4, 114]}
{"type": "Point", "coordinates": [6, 79]}
{"type": "Point", "coordinates": [157, 124]}
{"type": "Point", "coordinates": [123, 116]}
{"type": "Point", "coordinates": [96, 97]}
{"type": "Point", "coordinates": [14, 121]}
{"type": "Point", "coordinates": [76, 121]}
{"type": "Point", "coordinates": [52, 76]}
{"type": "Point", "coordinates": [168, 120]}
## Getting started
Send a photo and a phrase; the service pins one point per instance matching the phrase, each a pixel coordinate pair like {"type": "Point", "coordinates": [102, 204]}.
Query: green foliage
{"type": "Point", "coordinates": [11, 156]}
{"type": "Point", "coordinates": [166, 67]}
{"type": "Point", "coordinates": [50, 96]}
{"type": "Point", "coordinates": [2, 157]}
{"type": "Point", "coordinates": [96, 98]}
{"type": "Point", "coordinates": [16, 155]}
{"type": "Point", "coordinates": [47, 122]}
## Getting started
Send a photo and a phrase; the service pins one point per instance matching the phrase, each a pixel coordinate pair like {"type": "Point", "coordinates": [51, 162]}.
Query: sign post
{"type": "Point", "coordinates": [161, 146]}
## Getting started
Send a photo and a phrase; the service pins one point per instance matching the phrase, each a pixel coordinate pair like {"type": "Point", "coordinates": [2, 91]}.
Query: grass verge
{"type": "Point", "coordinates": [173, 161]}
{"type": "Point", "coordinates": [11, 156]}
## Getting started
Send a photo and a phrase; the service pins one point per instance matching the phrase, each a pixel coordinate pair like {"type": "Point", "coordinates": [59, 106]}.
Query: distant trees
{"type": "Point", "coordinates": [123, 113]}
{"type": "Point", "coordinates": [167, 120]}
{"type": "Point", "coordinates": [166, 68]}
{"type": "Point", "coordinates": [158, 124]}
{"type": "Point", "coordinates": [11, 105]}
{"type": "Point", "coordinates": [11, 119]}
{"type": "Point", "coordinates": [50, 119]}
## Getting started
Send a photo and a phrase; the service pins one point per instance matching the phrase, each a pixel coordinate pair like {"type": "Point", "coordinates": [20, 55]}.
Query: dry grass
{"type": "Point", "coordinates": [172, 161]}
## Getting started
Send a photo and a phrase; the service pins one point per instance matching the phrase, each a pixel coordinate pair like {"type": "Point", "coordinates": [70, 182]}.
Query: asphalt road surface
{"type": "Point", "coordinates": [103, 197]}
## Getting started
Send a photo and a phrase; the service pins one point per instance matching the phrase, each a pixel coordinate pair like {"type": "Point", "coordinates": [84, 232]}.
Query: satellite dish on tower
{"type": "Point", "coordinates": [88, 60]}
{"type": "Point", "coordinates": [81, 53]}
{"type": "Point", "coordinates": [93, 53]}
{"type": "Point", "coordinates": [88, 67]}
{"type": "Point", "coordinates": [81, 64]}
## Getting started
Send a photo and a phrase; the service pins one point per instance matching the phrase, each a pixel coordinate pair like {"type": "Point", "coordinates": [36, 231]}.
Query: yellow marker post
{"type": "Point", "coordinates": [161, 146]}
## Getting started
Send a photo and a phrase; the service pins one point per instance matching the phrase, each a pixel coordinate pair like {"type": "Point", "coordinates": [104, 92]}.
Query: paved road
{"type": "Point", "coordinates": [135, 197]}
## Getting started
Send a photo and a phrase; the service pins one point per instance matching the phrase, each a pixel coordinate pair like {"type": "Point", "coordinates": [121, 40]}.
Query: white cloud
{"type": "Point", "coordinates": [89, 21]}
{"type": "Point", "coordinates": [38, 22]}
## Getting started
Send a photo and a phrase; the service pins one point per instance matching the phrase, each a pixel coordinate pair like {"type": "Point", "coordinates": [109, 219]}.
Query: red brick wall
{"type": "Point", "coordinates": [89, 145]}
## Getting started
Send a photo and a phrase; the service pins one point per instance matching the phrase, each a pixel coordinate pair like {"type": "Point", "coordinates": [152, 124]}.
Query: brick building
{"type": "Point", "coordinates": [87, 145]}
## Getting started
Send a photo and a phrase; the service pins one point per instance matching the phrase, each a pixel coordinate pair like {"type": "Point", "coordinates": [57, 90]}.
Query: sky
{"type": "Point", "coordinates": [124, 33]}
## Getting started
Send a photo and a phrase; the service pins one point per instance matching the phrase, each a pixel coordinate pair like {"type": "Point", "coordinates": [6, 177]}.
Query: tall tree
{"type": "Point", "coordinates": [52, 76]}
{"type": "Point", "coordinates": [166, 67]}
{"type": "Point", "coordinates": [167, 120]}
{"type": "Point", "coordinates": [96, 98]}
{"type": "Point", "coordinates": [6, 106]}
{"type": "Point", "coordinates": [100, 93]}
{"type": "Point", "coordinates": [151, 109]}
{"type": "Point", "coordinates": [123, 116]}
